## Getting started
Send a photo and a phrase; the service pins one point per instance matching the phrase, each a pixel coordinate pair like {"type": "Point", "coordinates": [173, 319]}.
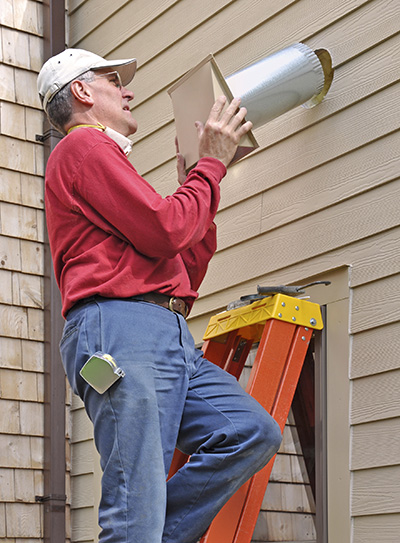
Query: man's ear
{"type": "Point", "coordinates": [81, 92]}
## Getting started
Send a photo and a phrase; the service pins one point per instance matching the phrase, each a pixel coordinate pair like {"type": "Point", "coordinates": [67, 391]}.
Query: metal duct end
{"type": "Point", "coordinates": [326, 63]}
{"type": "Point", "coordinates": [282, 81]}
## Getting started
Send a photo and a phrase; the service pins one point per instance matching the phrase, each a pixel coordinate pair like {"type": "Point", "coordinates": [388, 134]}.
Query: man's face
{"type": "Point", "coordinates": [111, 102]}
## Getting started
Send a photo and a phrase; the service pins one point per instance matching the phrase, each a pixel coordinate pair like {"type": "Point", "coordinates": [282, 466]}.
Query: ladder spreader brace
{"type": "Point", "coordinates": [283, 326]}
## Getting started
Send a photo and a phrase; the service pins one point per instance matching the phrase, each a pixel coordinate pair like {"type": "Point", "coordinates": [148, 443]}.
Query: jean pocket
{"type": "Point", "coordinates": [69, 351]}
{"type": "Point", "coordinates": [69, 329]}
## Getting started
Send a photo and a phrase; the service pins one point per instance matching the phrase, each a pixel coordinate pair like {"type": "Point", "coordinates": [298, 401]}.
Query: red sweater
{"type": "Point", "coordinates": [112, 234]}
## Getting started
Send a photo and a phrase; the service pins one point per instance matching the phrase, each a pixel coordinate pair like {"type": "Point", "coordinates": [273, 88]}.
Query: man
{"type": "Point", "coordinates": [129, 263]}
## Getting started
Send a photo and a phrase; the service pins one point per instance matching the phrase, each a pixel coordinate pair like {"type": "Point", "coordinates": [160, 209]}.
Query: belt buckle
{"type": "Point", "coordinates": [170, 302]}
{"type": "Point", "coordinates": [171, 308]}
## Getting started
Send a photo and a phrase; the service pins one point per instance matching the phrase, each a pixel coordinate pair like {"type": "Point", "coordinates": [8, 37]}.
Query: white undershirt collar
{"type": "Point", "coordinates": [121, 140]}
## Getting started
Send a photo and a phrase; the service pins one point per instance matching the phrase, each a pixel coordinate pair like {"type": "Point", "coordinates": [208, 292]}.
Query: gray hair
{"type": "Point", "coordinates": [59, 110]}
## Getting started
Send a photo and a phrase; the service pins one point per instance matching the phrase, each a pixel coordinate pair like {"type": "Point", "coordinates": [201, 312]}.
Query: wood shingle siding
{"type": "Point", "coordinates": [21, 273]}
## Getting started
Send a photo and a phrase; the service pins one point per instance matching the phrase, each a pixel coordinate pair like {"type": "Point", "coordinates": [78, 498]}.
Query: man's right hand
{"type": "Point", "coordinates": [220, 136]}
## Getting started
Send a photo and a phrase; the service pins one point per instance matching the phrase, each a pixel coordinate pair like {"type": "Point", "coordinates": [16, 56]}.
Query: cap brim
{"type": "Point", "coordinates": [125, 68]}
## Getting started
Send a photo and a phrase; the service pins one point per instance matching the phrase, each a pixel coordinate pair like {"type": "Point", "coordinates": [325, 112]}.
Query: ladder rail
{"type": "Point", "coordinates": [283, 325]}
{"type": "Point", "coordinates": [280, 411]}
{"type": "Point", "coordinates": [272, 382]}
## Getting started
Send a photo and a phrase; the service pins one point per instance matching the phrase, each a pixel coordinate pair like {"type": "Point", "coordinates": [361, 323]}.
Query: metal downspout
{"type": "Point", "coordinates": [54, 498]}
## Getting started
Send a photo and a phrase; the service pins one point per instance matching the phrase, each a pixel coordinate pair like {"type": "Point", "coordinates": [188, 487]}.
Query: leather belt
{"type": "Point", "coordinates": [176, 305]}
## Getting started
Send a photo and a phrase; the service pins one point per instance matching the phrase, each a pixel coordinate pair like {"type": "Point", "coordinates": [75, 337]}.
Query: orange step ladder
{"type": "Point", "coordinates": [283, 326]}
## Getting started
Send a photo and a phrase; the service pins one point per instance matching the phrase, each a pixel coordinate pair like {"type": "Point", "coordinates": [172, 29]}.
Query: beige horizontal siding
{"type": "Point", "coordinates": [376, 303]}
{"type": "Point", "coordinates": [316, 145]}
{"type": "Point", "coordinates": [73, 5]}
{"type": "Point", "coordinates": [85, 16]}
{"type": "Point", "coordinates": [82, 491]}
{"type": "Point", "coordinates": [82, 525]}
{"type": "Point", "coordinates": [85, 476]}
{"type": "Point", "coordinates": [128, 18]}
{"type": "Point", "coordinates": [324, 231]}
{"type": "Point", "coordinates": [163, 178]}
{"type": "Point", "coordinates": [376, 397]}
{"type": "Point", "coordinates": [312, 19]}
{"type": "Point", "coordinates": [376, 350]}
{"type": "Point", "coordinates": [188, 26]}
{"type": "Point", "coordinates": [82, 457]}
{"type": "Point", "coordinates": [384, 527]}
{"type": "Point", "coordinates": [320, 196]}
{"type": "Point", "coordinates": [234, 56]}
{"type": "Point", "coordinates": [238, 36]}
{"type": "Point", "coordinates": [375, 406]}
{"type": "Point", "coordinates": [82, 428]}
{"type": "Point", "coordinates": [376, 444]}
{"type": "Point", "coordinates": [368, 166]}
{"type": "Point", "coordinates": [366, 255]}
{"type": "Point", "coordinates": [376, 491]}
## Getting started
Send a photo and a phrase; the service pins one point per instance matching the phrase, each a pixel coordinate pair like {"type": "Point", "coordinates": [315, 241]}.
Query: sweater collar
{"type": "Point", "coordinates": [121, 140]}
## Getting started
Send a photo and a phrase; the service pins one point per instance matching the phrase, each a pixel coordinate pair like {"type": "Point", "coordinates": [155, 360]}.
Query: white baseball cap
{"type": "Point", "coordinates": [63, 68]}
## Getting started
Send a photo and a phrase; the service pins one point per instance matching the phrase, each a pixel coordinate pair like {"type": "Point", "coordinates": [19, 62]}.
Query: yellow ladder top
{"type": "Point", "coordinates": [280, 306]}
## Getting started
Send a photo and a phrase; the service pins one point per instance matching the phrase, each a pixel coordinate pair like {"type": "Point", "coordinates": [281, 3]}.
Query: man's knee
{"type": "Point", "coordinates": [267, 436]}
{"type": "Point", "coordinates": [274, 437]}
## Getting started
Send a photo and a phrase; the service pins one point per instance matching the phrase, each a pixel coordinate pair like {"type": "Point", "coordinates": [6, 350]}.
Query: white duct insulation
{"type": "Point", "coordinates": [282, 81]}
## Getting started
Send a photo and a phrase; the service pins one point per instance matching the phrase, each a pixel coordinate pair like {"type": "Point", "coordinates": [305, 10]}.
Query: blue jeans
{"type": "Point", "coordinates": [170, 396]}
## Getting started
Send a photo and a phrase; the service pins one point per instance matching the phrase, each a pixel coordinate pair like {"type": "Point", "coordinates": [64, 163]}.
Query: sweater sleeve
{"type": "Point", "coordinates": [112, 195]}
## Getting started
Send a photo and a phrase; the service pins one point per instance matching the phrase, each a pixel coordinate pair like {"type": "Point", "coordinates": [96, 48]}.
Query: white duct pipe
{"type": "Point", "coordinates": [282, 81]}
